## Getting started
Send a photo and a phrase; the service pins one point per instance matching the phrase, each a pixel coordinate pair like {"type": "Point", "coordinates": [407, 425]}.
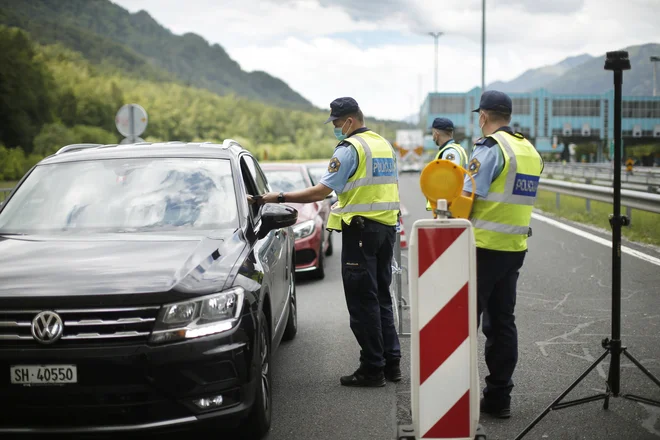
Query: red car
{"type": "Point", "coordinates": [313, 242]}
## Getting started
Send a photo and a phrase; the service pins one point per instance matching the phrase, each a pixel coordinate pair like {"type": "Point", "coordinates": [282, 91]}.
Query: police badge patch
{"type": "Point", "coordinates": [474, 166]}
{"type": "Point", "coordinates": [334, 165]}
{"type": "Point", "coordinates": [451, 156]}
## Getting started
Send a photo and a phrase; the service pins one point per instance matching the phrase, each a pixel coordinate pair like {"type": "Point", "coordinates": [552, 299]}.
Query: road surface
{"type": "Point", "coordinates": [563, 313]}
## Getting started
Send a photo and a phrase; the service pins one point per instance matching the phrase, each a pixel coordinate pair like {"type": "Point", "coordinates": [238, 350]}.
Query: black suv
{"type": "Point", "coordinates": [140, 290]}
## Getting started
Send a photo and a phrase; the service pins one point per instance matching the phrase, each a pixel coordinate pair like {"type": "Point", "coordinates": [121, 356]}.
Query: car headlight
{"type": "Point", "coordinates": [204, 316]}
{"type": "Point", "coordinates": [304, 229]}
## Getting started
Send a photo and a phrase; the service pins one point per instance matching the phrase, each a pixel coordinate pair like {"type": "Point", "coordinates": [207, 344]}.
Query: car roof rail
{"type": "Point", "coordinates": [76, 147]}
{"type": "Point", "coordinates": [229, 142]}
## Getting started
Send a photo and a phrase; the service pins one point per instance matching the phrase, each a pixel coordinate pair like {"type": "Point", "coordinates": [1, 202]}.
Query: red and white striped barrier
{"type": "Point", "coordinates": [445, 393]}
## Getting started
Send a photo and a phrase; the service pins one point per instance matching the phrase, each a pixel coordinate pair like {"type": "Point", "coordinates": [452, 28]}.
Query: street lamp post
{"type": "Point", "coordinates": [654, 60]}
{"type": "Point", "coordinates": [435, 36]}
{"type": "Point", "coordinates": [483, 45]}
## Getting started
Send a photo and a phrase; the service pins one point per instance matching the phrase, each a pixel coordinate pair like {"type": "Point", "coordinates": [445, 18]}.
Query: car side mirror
{"type": "Point", "coordinates": [275, 216]}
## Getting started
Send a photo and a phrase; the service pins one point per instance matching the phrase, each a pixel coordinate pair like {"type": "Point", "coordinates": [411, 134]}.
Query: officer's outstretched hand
{"type": "Point", "coordinates": [270, 197]}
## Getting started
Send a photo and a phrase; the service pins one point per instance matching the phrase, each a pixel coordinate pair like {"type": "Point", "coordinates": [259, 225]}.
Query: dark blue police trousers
{"type": "Point", "coordinates": [366, 259]}
{"type": "Point", "coordinates": [497, 276]}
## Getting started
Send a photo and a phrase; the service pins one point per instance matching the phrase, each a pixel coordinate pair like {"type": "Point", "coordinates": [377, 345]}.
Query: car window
{"type": "Point", "coordinates": [124, 195]}
{"type": "Point", "coordinates": [250, 184]}
{"type": "Point", "coordinates": [316, 173]}
{"type": "Point", "coordinates": [286, 180]}
{"type": "Point", "coordinates": [257, 175]}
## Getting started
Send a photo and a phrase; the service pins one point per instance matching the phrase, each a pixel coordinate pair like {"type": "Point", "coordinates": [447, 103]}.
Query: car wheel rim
{"type": "Point", "coordinates": [265, 383]}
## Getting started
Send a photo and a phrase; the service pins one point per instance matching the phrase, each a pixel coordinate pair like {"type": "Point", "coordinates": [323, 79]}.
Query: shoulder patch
{"type": "Point", "coordinates": [334, 165]}
{"type": "Point", "coordinates": [451, 156]}
{"type": "Point", "coordinates": [474, 166]}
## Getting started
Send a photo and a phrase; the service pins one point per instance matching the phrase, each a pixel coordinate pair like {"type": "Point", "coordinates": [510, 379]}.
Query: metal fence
{"type": "Point", "coordinates": [399, 279]}
{"type": "Point", "coordinates": [630, 199]}
{"type": "Point", "coordinates": [647, 178]}
{"type": "Point", "coordinates": [4, 193]}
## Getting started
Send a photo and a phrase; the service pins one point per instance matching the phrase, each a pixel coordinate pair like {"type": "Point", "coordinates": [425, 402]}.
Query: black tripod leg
{"type": "Point", "coordinates": [608, 392]}
{"type": "Point", "coordinates": [641, 367]}
{"type": "Point", "coordinates": [558, 399]}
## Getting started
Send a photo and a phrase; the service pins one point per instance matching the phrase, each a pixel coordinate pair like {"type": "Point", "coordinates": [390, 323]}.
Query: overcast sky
{"type": "Point", "coordinates": [378, 51]}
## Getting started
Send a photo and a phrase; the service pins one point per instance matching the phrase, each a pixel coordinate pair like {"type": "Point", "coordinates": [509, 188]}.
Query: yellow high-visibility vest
{"type": "Point", "coordinates": [501, 220]}
{"type": "Point", "coordinates": [372, 191]}
{"type": "Point", "coordinates": [464, 160]}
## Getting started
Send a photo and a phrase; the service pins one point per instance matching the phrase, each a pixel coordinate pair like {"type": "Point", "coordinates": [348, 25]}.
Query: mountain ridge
{"type": "Point", "coordinates": [584, 74]}
{"type": "Point", "coordinates": [141, 44]}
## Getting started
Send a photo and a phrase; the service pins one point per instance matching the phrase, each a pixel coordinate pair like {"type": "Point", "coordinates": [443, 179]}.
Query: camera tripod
{"type": "Point", "coordinates": [617, 62]}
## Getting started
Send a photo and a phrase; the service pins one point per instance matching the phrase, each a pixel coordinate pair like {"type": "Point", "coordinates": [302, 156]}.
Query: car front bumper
{"type": "Point", "coordinates": [307, 252]}
{"type": "Point", "coordinates": [133, 387]}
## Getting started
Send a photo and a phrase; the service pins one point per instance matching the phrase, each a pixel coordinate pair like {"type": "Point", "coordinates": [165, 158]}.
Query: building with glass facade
{"type": "Point", "coordinates": [551, 121]}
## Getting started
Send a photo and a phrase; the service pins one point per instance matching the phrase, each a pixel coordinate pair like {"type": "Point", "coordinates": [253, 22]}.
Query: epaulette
{"type": "Point", "coordinates": [486, 142]}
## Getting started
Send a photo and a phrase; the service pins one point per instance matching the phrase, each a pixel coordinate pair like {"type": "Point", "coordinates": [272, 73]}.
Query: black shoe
{"type": "Point", "coordinates": [362, 378]}
{"type": "Point", "coordinates": [501, 412]}
{"type": "Point", "coordinates": [393, 371]}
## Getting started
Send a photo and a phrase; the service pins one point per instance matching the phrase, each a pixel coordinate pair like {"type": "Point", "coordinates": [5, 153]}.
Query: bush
{"type": "Point", "coordinates": [93, 135]}
{"type": "Point", "coordinates": [12, 163]}
{"type": "Point", "coordinates": [51, 138]}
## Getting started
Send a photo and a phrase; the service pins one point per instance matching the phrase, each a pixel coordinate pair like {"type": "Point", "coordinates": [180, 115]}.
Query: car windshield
{"type": "Point", "coordinates": [285, 180]}
{"type": "Point", "coordinates": [316, 173]}
{"type": "Point", "coordinates": [124, 195]}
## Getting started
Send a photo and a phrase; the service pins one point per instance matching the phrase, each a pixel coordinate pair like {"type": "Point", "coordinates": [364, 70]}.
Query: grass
{"type": "Point", "coordinates": [7, 184]}
{"type": "Point", "coordinates": [645, 227]}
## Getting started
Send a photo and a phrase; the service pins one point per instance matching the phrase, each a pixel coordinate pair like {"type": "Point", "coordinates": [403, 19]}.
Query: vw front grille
{"type": "Point", "coordinates": [118, 324]}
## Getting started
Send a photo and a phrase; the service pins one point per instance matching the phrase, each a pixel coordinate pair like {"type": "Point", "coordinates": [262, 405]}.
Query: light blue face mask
{"type": "Point", "coordinates": [338, 133]}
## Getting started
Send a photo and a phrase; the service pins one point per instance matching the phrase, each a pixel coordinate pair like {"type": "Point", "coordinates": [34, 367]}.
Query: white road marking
{"type": "Point", "coordinates": [595, 238]}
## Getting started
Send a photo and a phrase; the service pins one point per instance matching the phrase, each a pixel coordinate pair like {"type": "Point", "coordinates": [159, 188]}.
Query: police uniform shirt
{"type": "Point", "coordinates": [486, 164]}
{"type": "Point", "coordinates": [342, 165]}
{"type": "Point", "coordinates": [450, 154]}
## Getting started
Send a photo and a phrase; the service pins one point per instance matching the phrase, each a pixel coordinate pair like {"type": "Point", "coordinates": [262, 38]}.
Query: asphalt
{"type": "Point", "coordinates": [563, 313]}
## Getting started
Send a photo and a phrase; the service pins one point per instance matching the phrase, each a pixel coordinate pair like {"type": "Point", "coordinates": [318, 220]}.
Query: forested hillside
{"type": "Point", "coordinates": [105, 32]}
{"type": "Point", "coordinates": [51, 96]}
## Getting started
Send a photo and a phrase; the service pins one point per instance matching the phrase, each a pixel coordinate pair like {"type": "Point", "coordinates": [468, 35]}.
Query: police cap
{"type": "Point", "coordinates": [496, 101]}
{"type": "Point", "coordinates": [341, 107]}
{"type": "Point", "coordinates": [443, 124]}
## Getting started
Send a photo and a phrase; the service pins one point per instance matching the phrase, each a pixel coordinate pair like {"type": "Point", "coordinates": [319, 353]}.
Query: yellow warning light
{"type": "Point", "coordinates": [443, 179]}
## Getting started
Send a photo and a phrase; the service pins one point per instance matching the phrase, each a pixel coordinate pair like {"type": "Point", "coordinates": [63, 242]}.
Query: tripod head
{"type": "Point", "coordinates": [617, 60]}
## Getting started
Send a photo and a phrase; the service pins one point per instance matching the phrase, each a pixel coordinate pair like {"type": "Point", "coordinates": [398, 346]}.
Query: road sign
{"type": "Point", "coordinates": [443, 293]}
{"type": "Point", "coordinates": [131, 121]}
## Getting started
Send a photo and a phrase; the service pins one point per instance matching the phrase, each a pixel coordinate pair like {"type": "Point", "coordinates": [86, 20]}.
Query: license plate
{"type": "Point", "coordinates": [43, 374]}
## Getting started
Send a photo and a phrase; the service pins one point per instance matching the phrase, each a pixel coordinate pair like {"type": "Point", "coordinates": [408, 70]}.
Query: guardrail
{"type": "Point", "coordinates": [4, 193]}
{"type": "Point", "coordinates": [629, 199]}
{"type": "Point", "coordinates": [648, 177]}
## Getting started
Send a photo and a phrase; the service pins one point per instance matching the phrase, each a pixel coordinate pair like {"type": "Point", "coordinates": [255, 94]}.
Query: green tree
{"type": "Point", "coordinates": [51, 138]}
{"type": "Point", "coordinates": [12, 163]}
{"type": "Point", "coordinates": [25, 100]}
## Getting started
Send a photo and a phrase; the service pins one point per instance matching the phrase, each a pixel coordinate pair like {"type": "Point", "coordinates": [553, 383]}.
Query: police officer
{"type": "Point", "coordinates": [363, 173]}
{"type": "Point", "coordinates": [448, 149]}
{"type": "Point", "coordinates": [506, 169]}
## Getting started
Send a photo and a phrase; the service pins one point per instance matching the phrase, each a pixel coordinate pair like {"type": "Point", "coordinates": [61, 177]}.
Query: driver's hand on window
{"type": "Point", "coordinates": [250, 200]}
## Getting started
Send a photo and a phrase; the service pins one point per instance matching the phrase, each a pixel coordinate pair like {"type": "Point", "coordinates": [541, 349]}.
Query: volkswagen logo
{"type": "Point", "coordinates": [47, 327]}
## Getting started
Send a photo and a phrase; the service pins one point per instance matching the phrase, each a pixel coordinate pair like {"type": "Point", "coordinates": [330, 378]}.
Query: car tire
{"type": "Point", "coordinates": [330, 249]}
{"type": "Point", "coordinates": [258, 421]}
{"type": "Point", "coordinates": [292, 323]}
{"type": "Point", "coordinates": [319, 273]}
